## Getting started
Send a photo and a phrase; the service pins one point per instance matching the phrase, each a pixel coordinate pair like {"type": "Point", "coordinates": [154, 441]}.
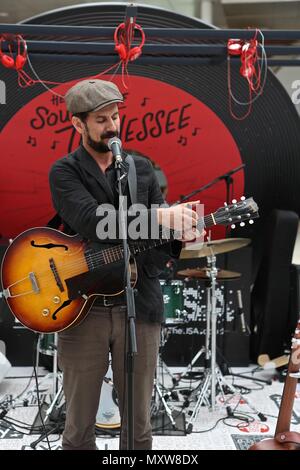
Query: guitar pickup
{"type": "Point", "coordinates": [56, 275]}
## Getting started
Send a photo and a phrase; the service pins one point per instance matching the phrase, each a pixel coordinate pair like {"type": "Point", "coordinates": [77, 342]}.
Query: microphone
{"type": "Point", "coordinates": [241, 311]}
{"type": "Point", "coordinates": [115, 145]}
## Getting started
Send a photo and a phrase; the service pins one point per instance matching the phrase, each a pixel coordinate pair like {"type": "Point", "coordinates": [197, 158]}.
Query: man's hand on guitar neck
{"type": "Point", "coordinates": [182, 218]}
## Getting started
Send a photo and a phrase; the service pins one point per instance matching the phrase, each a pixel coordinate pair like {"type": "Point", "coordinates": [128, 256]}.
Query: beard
{"type": "Point", "coordinates": [100, 146]}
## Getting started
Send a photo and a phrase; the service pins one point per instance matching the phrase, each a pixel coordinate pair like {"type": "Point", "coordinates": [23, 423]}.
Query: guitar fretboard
{"type": "Point", "coordinates": [116, 253]}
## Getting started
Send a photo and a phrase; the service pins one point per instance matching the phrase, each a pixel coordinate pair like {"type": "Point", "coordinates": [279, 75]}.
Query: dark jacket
{"type": "Point", "coordinates": [78, 187]}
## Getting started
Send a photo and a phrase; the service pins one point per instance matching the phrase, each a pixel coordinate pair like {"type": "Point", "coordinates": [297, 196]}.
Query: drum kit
{"type": "Point", "coordinates": [176, 293]}
{"type": "Point", "coordinates": [177, 314]}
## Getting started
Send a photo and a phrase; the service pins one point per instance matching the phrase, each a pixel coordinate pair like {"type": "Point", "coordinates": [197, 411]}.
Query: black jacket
{"type": "Point", "coordinates": [78, 187]}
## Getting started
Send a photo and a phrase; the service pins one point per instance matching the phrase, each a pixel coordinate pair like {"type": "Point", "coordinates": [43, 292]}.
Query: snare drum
{"type": "Point", "coordinates": [173, 300]}
{"type": "Point", "coordinates": [47, 344]}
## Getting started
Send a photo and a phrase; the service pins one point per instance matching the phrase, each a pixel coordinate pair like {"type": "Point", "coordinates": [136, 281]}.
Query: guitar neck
{"type": "Point", "coordinates": [168, 235]}
{"type": "Point", "coordinates": [286, 405]}
{"type": "Point", "coordinates": [227, 215]}
{"type": "Point", "coordinates": [115, 253]}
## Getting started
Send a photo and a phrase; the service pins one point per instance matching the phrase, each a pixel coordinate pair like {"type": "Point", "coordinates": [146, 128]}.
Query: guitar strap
{"type": "Point", "coordinates": [56, 220]}
{"type": "Point", "coordinates": [132, 180]}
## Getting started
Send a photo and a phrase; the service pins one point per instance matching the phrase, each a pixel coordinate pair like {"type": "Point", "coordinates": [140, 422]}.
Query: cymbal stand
{"type": "Point", "coordinates": [214, 375]}
{"type": "Point", "coordinates": [211, 261]}
{"type": "Point", "coordinates": [211, 375]}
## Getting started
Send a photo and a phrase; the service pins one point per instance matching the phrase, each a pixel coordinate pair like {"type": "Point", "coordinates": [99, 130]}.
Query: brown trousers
{"type": "Point", "coordinates": [83, 355]}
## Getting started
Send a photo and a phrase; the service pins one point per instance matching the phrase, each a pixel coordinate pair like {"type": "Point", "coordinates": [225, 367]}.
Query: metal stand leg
{"type": "Point", "coordinates": [211, 376]}
{"type": "Point", "coordinates": [57, 389]}
{"type": "Point", "coordinates": [165, 405]}
{"type": "Point", "coordinates": [160, 402]}
{"type": "Point", "coordinates": [215, 378]}
{"type": "Point", "coordinates": [161, 365]}
{"type": "Point", "coordinates": [51, 375]}
{"type": "Point", "coordinates": [56, 395]}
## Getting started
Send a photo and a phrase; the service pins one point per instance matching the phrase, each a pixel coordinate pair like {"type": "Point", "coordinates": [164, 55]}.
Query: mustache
{"type": "Point", "coordinates": [109, 135]}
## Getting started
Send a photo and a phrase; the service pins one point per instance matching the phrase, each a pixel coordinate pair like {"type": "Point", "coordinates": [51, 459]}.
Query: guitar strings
{"type": "Point", "coordinates": [103, 258]}
{"type": "Point", "coordinates": [109, 253]}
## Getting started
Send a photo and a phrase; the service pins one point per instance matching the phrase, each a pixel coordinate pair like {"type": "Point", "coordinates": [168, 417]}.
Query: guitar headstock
{"type": "Point", "coordinates": [237, 212]}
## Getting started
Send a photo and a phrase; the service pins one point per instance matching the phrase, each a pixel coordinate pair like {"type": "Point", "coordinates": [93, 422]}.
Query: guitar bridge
{"type": "Point", "coordinates": [34, 283]}
{"type": "Point", "coordinates": [56, 275]}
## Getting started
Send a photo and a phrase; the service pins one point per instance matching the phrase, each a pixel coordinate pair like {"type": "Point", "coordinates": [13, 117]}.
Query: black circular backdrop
{"type": "Point", "coordinates": [268, 140]}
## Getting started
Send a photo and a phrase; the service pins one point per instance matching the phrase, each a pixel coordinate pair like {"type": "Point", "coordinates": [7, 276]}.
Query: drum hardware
{"type": "Point", "coordinates": [161, 366]}
{"type": "Point", "coordinates": [213, 376]}
{"type": "Point", "coordinates": [161, 404]}
{"type": "Point", "coordinates": [212, 275]}
{"type": "Point", "coordinates": [206, 273]}
{"type": "Point", "coordinates": [161, 393]}
{"type": "Point", "coordinates": [47, 344]}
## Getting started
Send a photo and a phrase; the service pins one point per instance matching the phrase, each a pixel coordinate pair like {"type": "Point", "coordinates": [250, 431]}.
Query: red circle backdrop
{"type": "Point", "coordinates": [182, 135]}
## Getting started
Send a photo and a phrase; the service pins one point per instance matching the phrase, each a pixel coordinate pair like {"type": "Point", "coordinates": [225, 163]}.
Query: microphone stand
{"type": "Point", "coordinates": [225, 176]}
{"type": "Point", "coordinates": [131, 331]}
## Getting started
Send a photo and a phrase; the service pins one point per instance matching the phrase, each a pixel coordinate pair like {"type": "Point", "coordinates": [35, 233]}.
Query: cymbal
{"type": "Point", "coordinates": [204, 273]}
{"type": "Point", "coordinates": [200, 250]}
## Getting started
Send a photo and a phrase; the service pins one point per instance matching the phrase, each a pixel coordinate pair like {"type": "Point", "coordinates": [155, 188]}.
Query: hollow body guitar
{"type": "Point", "coordinates": [285, 439]}
{"type": "Point", "coordinates": [50, 280]}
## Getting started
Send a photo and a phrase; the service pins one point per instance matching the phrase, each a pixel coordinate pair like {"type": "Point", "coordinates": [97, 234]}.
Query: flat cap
{"type": "Point", "coordinates": [91, 95]}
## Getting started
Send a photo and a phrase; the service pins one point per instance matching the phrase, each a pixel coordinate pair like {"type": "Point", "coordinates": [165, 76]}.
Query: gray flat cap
{"type": "Point", "coordinates": [91, 95]}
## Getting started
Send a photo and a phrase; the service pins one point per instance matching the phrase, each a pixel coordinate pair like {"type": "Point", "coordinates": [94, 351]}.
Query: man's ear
{"type": "Point", "coordinates": [78, 124]}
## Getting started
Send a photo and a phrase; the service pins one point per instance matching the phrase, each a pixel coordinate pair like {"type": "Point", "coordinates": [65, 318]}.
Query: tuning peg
{"type": "Point", "coordinates": [242, 224]}
{"type": "Point", "coordinates": [233, 226]}
{"type": "Point", "coordinates": [251, 221]}
{"type": "Point", "coordinates": [243, 198]}
{"type": "Point", "coordinates": [234, 201]}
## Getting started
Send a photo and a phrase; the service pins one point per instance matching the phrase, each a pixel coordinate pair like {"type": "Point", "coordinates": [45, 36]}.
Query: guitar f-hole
{"type": "Point", "coordinates": [48, 246]}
